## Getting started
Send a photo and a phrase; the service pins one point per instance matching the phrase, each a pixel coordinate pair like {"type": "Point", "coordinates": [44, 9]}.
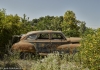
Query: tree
{"type": "Point", "coordinates": [48, 23]}
{"type": "Point", "coordinates": [69, 25]}
{"type": "Point", "coordinates": [26, 24]}
{"type": "Point", "coordinates": [83, 27]}
{"type": "Point", "coordinates": [9, 25]}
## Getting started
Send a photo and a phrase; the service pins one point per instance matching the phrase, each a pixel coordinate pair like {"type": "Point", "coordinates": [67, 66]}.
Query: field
{"type": "Point", "coordinates": [50, 62]}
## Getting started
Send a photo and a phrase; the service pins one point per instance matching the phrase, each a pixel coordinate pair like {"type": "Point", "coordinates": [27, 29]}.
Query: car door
{"type": "Point", "coordinates": [57, 39]}
{"type": "Point", "coordinates": [43, 42]}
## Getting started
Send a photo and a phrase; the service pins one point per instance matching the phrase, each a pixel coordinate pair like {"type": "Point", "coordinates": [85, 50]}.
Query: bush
{"type": "Point", "coordinates": [55, 62]}
{"type": "Point", "coordinates": [90, 49]}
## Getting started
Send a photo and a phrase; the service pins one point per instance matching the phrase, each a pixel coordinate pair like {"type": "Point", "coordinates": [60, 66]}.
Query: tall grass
{"type": "Point", "coordinates": [50, 62]}
{"type": "Point", "coordinates": [53, 61]}
{"type": "Point", "coordinates": [56, 62]}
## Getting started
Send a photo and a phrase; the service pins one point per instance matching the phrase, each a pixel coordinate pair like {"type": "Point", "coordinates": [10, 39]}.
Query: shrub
{"type": "Point", "coordinates": [55, 62]}
{"type": "Point", "coordinates": [90, 49]}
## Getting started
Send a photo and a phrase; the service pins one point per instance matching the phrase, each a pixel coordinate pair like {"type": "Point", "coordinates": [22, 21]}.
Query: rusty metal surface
{"type": "Point", "coordinates": [23, 46]}
{"type": "Point", "coordinates": [66, 46]}
{"type": "Point", "coordinates": [74, 39]}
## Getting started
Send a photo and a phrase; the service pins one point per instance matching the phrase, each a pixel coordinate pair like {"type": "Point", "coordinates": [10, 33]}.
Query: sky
{"type": "Point", "coordinates": [85, 10]}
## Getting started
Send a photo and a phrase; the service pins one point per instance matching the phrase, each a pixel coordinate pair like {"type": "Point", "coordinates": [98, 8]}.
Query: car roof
{"type": "Point", "coordinates": [44, 31]}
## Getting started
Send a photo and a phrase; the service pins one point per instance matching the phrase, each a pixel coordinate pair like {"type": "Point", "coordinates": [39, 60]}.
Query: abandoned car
{"type": "Point", "coordinates": [45, 42]}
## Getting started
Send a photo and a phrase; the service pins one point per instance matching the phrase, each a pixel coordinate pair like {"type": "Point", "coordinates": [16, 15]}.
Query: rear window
{"type": "Point", "coordinates": [57, 36]}
{"type": "Point", "coordinates": [43, 36]}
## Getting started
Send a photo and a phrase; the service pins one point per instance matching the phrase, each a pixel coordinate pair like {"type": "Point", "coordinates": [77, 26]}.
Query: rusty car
{"type": "Point", "coordinates": [45, 42]}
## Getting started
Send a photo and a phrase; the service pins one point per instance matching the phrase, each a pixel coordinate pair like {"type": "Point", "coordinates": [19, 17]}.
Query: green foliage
{"type": "Point", "coordinates": [90, 49]}
{"type": "Point", "coordinates": [67, 23]}
{"type": "Point", "coordinates": [47, 23]}
{"type": "Point", "coordinates": [82, 28]}
{"type": "Point", "coordinates": [11, 25]}
{"type": "Point", "coordinates": [26, 25]}
{"type": "Point", "coordinates": [71, 26]}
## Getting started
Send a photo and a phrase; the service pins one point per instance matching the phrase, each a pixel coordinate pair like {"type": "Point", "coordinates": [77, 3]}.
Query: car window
{"type": "Point", "coordinates": [43, 36]}
{"type": "Point", "coordinates": [57, 36]}
{"type": "Point", "coordinates": [32, 37]}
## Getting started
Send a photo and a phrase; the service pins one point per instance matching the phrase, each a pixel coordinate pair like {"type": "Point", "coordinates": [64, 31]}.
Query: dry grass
{"type": "Point", "coordinates": [51, 62]}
